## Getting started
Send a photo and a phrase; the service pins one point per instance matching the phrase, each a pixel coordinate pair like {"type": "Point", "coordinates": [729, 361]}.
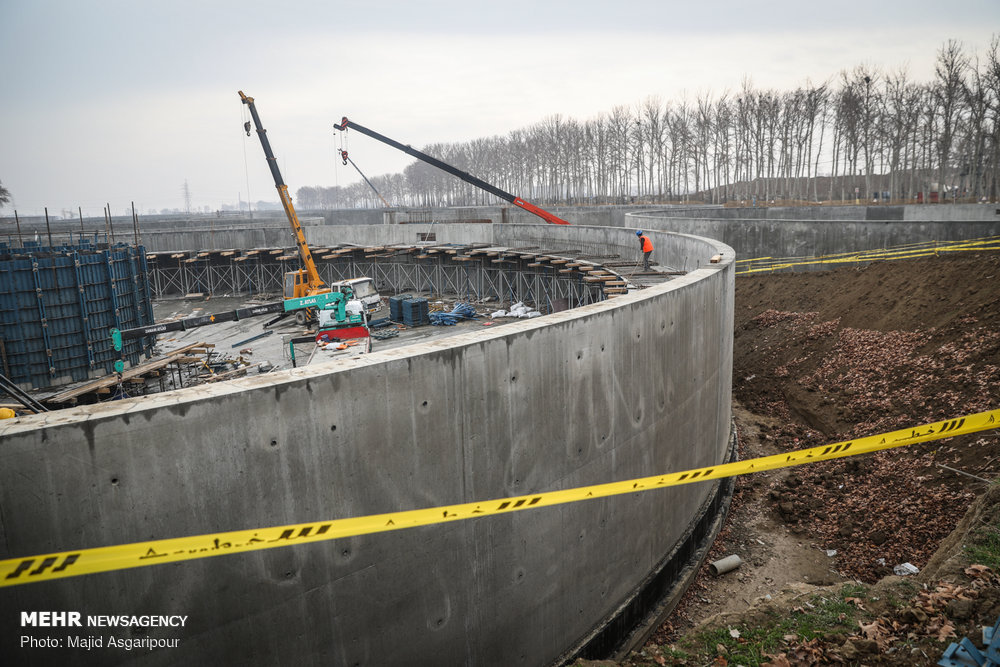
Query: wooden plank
{"type": "Point", "coordinates": [229, 375]}
{"type": "Point", "coordinates": [100, 385]}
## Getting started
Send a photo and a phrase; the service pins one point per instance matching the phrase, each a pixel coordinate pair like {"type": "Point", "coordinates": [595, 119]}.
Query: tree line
{"type": "Point", "coordinates": [866, 135]}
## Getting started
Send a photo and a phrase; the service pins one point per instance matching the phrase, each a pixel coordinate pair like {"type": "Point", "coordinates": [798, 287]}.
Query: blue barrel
{"type": "Point", "coordinates": [58, 304]}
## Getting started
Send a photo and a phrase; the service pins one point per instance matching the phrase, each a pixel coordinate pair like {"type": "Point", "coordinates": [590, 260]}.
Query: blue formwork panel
{"type": "Point", "coordinates": [58, 305]}
{"type": "Point", "coordinates": [415, 312]}
{"type": "Point", "coordinates": [396, 307]}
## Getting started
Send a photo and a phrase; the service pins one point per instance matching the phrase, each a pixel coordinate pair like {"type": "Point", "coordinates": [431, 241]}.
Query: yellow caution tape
{"type": "Point", "coordinates": [16, 571]}
{"type": "Point", "coordinates": [908, 251]}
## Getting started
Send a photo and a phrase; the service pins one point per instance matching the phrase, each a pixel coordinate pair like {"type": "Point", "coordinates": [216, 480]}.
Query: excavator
{"type": "Point", "coordinates": [465, 176]}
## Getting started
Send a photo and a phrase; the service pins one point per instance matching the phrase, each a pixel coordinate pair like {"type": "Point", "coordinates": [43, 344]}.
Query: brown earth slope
{"type": "Point", "coordinates": [842, 354]}
{"type": "Point", "coordinates": [822, 357]}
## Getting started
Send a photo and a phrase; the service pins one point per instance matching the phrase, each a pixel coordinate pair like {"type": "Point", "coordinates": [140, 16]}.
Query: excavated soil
{"type": "Point", "coordinates": [822, 357]}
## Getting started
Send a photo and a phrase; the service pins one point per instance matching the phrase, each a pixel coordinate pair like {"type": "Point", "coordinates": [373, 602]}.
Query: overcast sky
{"type": "Point", "coordinates": [106, 101]}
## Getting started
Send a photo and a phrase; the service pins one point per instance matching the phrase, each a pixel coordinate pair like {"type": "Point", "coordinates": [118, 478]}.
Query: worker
{"type": "Point", "coordinates": [646, 246]}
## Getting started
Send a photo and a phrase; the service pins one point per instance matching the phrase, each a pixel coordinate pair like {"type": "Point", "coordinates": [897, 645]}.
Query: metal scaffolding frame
{"type": "Point", "coordinates": [505, 279]}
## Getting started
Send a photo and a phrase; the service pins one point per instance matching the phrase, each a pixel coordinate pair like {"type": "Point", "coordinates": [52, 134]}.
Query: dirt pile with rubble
{"type": "Point", "coordinates": [843, 354]}
{"type": "Point", "coordinates": [822, 357]}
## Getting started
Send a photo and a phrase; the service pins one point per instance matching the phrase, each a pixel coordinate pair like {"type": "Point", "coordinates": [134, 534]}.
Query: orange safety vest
{"type": "Point", "coordinates": [647, 245]}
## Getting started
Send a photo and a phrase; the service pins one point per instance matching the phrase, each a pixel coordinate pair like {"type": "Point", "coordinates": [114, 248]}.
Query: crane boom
{"type": "Point", "coordinates": [313, 282]}
{"type": "Point", "coordinates": [465, 176]}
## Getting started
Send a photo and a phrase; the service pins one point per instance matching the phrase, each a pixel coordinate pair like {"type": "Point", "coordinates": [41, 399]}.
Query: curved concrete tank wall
{"type": "Point", "coordinates": [812, 231]}
{"type": "Point", "coordinates": [629, 387]}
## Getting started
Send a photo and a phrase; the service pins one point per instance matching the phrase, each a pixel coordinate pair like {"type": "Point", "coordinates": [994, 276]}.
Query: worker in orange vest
{"type": "Point", "coordinates": [646, 246]}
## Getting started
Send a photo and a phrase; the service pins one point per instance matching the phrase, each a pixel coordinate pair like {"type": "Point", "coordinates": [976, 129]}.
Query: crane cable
{"type": "Point", "coordinates": [246, 168]}
{"type": "Point", "coordinates": [344, 157]}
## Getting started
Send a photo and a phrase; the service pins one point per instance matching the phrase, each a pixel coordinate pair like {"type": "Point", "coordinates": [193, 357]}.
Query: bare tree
{"type": "Point", "coordinates": [879, 132]}
{"type": "Point", "coordinates": [950, 71]}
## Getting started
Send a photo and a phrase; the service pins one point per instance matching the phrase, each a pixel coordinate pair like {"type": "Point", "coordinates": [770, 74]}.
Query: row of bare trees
{"type": "Point", "coordinates": [868, 135]}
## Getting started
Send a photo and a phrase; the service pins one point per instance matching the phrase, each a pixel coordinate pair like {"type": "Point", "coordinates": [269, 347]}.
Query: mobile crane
{"type": "Point", "coordinates": [465, 176]}
{"type": "Point", "coordinates": [304, 282]}
{"type": "Point", "coordinates": [341, 310]}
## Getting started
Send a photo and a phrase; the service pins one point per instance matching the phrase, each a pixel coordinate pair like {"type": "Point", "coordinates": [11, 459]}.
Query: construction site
{"type": "Point", "coordinates": [202, 378]}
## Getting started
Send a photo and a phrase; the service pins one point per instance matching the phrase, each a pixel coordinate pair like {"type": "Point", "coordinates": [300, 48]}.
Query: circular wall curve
{"type": "Point", "coordinates": [629, 387]}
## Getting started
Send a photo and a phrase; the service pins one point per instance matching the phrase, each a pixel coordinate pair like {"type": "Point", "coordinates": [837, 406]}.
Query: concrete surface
{"type": "Point", "coordinates": [633, 386]}
{"type": "Point", "coordinates": [804, 237]}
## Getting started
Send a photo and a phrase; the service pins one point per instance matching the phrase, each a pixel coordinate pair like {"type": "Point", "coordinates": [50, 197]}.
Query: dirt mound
{"type": "Point", "coordinates": [842, 354]}
{"type": "Point", "coordinates": [821, 357]}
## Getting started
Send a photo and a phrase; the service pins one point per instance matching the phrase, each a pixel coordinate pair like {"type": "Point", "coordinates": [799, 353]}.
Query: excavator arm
{"type": "Point", "coordinates": [313, 282]}
{"type": "Point", "coordinates": [465, 176]}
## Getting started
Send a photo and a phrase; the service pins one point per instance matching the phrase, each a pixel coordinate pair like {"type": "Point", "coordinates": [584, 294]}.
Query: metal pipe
{"type": "Point", "coordinates": [47, 227]}
{"type": "Point", "coordinates": [18, 221]}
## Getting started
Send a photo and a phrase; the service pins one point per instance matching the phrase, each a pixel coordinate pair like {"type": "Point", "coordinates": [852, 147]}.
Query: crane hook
{"type": "Point", "coordinates": [343, 155]}
{"type": "Point", "coordinates": [246, 127]}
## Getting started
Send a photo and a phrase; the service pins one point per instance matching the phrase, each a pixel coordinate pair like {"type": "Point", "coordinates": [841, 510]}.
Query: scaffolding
{"type": "Point", "coordinates": [551, 282]}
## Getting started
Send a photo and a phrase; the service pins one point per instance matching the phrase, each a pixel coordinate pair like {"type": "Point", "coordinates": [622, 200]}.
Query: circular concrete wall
{"type": "Point", "coordinates": [629, 387]}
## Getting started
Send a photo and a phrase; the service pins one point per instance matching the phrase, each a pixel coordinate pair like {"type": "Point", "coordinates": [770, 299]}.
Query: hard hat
{"type": "Point", "coordinates": [7, 413]}
{"type": "Point", "coordinates": [638, 232]}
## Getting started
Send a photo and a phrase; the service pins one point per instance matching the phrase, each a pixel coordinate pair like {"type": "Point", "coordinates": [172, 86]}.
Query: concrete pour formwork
{"type": "Point", "coordinates": [630, 387]}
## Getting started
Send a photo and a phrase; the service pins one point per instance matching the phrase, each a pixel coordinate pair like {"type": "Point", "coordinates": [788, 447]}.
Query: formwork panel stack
{"type": "Point", "coordinates": [58, 304]}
